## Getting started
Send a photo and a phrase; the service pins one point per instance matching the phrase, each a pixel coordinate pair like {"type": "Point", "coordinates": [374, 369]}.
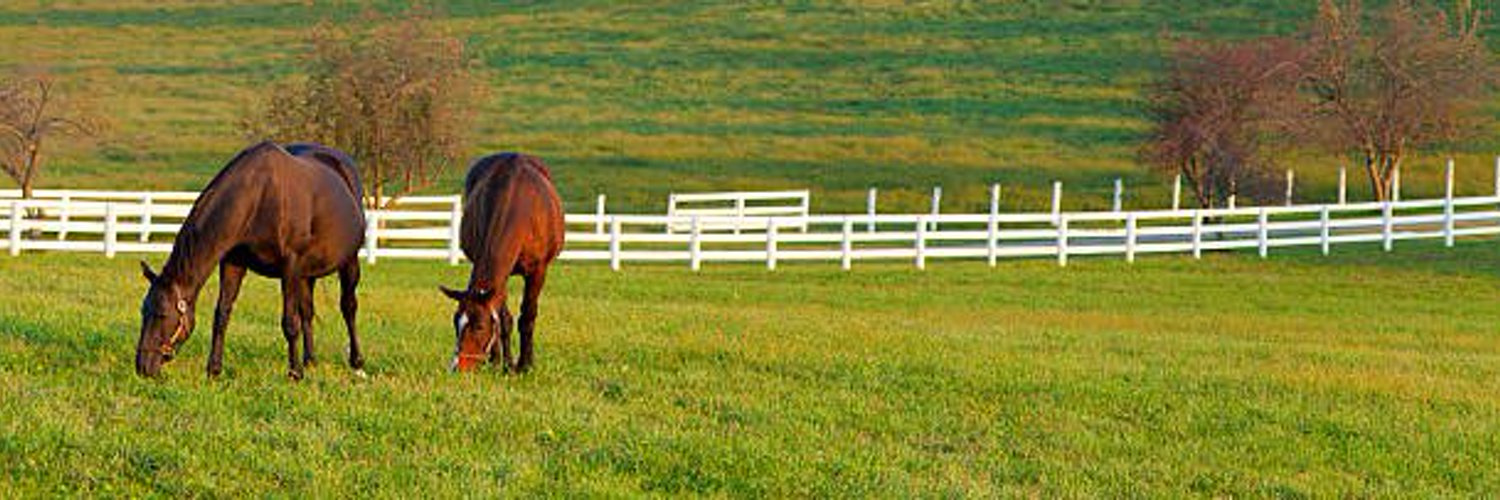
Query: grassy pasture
{"type": "Point", "coordinates": [636, 99]}
{"type": "Point", "coordinates": [1363, 374]}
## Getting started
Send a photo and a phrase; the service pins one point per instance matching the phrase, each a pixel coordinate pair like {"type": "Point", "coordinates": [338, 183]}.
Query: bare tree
{"type": "Point", "coordinates": [1213, 110]}
{"type": "Point", "coordinates": [34, 110]}
{"type": "Point", "coordinates": [399, 96]}
{"type": "Point", "coordinates": [1415, 77]}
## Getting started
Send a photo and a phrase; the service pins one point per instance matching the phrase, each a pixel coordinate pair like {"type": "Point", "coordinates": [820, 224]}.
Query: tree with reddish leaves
{"type": "Point", "coordinates": [398, 92]}
{"type": "Point", "coordinates": [1415, 77]}
{"type": "Point", "coordinates": [34, 110]}
{"type": "Point", "coordinates": [1214, 109]}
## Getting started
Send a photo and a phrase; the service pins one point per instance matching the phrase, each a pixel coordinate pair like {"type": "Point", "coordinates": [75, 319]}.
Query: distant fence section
{"type": "Point", "coordinates": [733, 227]}
{"type": "Point", "coordinates": [739, 211]}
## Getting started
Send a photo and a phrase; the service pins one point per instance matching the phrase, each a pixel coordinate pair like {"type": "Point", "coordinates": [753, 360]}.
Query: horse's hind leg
{"type": "Point", "coordinates": [291, 322]}
{"type": "Point", "coordinates": [349, 306]}
{"type": "Point", "coordinates": [230, 277]}
{"type": "Point", "coordinates": [527, 325]}
{"type": "Point", "coordinates": [306, 315]}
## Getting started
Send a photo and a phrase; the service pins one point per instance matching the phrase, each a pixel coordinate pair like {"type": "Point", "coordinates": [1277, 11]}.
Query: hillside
{"type": "Point", "coordinates": [638, 99]}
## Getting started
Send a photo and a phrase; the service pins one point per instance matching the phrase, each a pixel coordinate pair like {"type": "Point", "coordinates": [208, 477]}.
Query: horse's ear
{"type": "Point", "coordinates": [148, 273]}
{"type": "Point", "coordinates": [453, 294]}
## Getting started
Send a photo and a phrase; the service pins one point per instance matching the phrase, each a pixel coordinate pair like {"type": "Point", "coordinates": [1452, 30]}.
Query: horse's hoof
{"type": "Point", "coordinates": [360, 372]}
{"type": "Point", "coordinates": [295, 375]}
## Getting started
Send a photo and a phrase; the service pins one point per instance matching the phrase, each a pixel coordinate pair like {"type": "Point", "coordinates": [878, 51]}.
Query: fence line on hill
{"type": "Point", "coordinates": [428, 228]}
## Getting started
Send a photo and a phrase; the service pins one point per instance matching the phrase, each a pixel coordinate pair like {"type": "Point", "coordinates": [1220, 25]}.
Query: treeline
{"type": "Point", "coordinates": [1375, 85]}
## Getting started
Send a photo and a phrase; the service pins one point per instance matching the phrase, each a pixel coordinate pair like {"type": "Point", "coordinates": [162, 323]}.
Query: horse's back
{"type": "Point", "coordinates": [298, 207]}
{"type": "Point", "coordinates": [517, 187]}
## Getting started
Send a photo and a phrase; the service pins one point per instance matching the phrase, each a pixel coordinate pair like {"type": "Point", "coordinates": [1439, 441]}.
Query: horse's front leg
{"type": "Point", "coordinates": [291, 322]}
{"type": "Point", "coordinates": [506, 323]}
{"type": "Point", "coordinates": [230, 276]}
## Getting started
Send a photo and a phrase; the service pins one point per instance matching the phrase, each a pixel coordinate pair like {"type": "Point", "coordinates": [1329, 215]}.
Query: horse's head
{"type": "Point", "coordinates": [166, 322]}
{"type": "Point", "coordinates": [476, 326]}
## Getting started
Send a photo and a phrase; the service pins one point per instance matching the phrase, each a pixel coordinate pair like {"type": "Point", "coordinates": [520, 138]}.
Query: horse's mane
{"type": "Point", "coordinates": [185, 243]}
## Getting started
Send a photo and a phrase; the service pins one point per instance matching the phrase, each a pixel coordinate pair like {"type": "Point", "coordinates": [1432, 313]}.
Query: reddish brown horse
{"type": "Point", "coordinates": [512, 225]}
{"type": "Point", "coordinates": [293, 214]}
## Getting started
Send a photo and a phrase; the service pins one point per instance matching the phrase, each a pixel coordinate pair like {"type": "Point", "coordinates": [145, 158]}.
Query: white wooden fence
{"type": "Point", "coordinates": [427, 228]}
{"type": "Point", "coordinates": [739, 211]}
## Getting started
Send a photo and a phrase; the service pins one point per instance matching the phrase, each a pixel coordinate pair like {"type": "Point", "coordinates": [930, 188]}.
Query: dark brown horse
{"type": "Point", "coordinates": [292, 213]}
{"type": "Point", "coordinates": [512, 225]}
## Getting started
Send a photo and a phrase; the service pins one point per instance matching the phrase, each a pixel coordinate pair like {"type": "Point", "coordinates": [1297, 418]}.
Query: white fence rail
{"type": "Point", "coordinates": [145, 222]}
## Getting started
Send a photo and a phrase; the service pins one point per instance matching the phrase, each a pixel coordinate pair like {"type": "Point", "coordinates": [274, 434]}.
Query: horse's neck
{"type": "Point", "coordinates": [201, 243]}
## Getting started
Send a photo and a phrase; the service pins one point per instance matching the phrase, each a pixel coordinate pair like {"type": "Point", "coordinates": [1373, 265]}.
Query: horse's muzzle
{"type": "Point", "coordinates": [148, 363]}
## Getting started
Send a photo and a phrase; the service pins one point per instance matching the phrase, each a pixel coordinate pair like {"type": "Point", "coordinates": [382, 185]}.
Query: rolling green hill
{"type": "Point", "coordinates": [636, 99]}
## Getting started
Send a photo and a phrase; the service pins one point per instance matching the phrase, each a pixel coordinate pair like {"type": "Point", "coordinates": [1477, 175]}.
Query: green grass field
{"type": "Point", "coordinates": [1359, 375]}
{"type": "Point", "coordinates": [637, 99]}
{"type": "Point", "coordinates": [1363, 374]}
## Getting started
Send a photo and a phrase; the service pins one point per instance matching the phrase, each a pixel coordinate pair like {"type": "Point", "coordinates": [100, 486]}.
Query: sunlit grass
{"type": "Point", "coordinates": [1365, 373]}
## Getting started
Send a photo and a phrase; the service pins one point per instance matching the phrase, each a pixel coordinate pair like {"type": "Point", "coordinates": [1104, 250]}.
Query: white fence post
{"type": "Point", "coordinates": [1234, 199]}
{"type": "Point", "coordinates": [992, 240]}
{"type": "Point", "coordinates": [1344, 185]}
{"type": "Point", "coordinates": [847, 248]}
{"type": "Point", "coordinates": [455, 228]}
{"type": "Point", "coordinates": [671, 212]}
{"type": "Point", "coordinates": [614, 243]}
{"type": "Point", "coordinates": [15, 228]}
{"type": "Point", "coordinates": [1324, 229]}
{"type": "Point", "coordinates": [1130, 237]}
{"type": "Point", "coordinates": [771, 243]}
{"type": "Point", "coordinates": [937, 204]}
{"type": "Point", "coordinates": [146, 203]}
{"type": "Point", "coordinates": [995, 198]}
{"type": "Point", "coordinates": [1056, 202]}
{"type": "Point", "coordinates": [1177, 192]}
{"type": "Point", "coordinates": [111, 229]}
{"type": "Point", "coordinates": [739, 214]}
{"type": "Point", "coordinates": [1062, 241]}
{"type": "Point", "coordinates": [695, 245]}
{"type": "Point", "coordinates": [372, 235]}
{"type": "Point", "coordinates": [1387, 238]}
{"type": "Point", "coordinates": [67, 209]}
{"type": "Point", "coordinates": [921, 242]}
{"type": "Point", "coordinates": [1448, 206]}
{"type": "Point", "coordinates": [599, 215]}
{"type": "Point", "coordinates": [870, 210]}
{"type": "Point", "coordinates": [1263, 233]}
{"type": "Point", "coordinates": [1197, 234]}
{"type": "Point", "coordinates": [1119, 193]}
{"type": "Point", "coordinates": [806, 208]}
{"type": "Point", "coordinates": [1290, 181]}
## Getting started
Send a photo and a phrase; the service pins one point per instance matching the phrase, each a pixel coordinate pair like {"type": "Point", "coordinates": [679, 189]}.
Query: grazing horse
{"type": "Point", "coordinates": [512, 225]}
{"type": "Point", "coordinates": [292, 213]}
